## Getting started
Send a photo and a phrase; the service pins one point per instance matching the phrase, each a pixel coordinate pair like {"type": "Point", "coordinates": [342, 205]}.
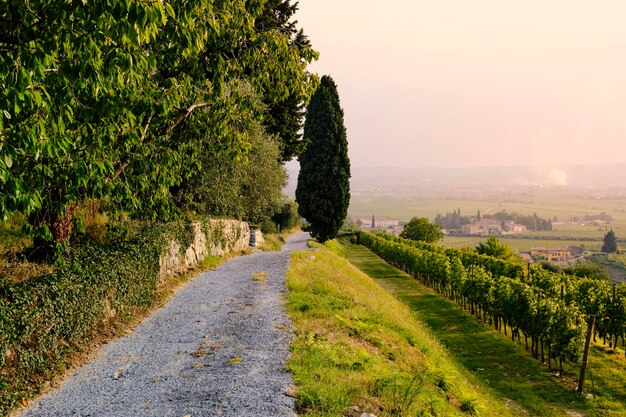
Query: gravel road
{"type": "Point", "coordinates": [218, 348]}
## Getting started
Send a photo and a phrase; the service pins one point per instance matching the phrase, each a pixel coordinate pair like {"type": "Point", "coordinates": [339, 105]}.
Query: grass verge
{"type": "Point", "coordinates": [275, 241]}
{"type": "Point", "coordinates": [358, 349]}
{"type": "Point", "coordinates": [493, 358]}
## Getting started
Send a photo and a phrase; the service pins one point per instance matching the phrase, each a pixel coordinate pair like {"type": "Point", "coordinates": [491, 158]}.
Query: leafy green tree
{"type": "Point", "coordinates": [421, 229]}
{"type": "Point", "coordinates": [287, 217]}
{"type": "Point", "coordinates": [323, 190]}
{"type": "Point", "coordinates": [123, 101]}
{"type": "Point", "coordinates": [284, 116]}
{"type": "Point", "coordinates": [248, 188]}
{"type": "Point", "coordinates": [610, 242]}
{"type": "Point", "coordinates": [493, 247]}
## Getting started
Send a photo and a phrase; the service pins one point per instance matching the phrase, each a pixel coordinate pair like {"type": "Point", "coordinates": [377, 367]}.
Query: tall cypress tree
{"type": "Point", "coordinates": [323, 192]}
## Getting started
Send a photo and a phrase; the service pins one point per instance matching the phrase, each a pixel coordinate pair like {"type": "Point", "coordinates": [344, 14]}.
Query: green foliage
{"type": "Point", "coordinates": [533, 222]}
{"type": "Point", "coordinates": [468, 406]}
{"type": "Point", "coordinates": [545, 306]}
{"type": "Point", "coordinates": [454, 220]}
{"type": "Point", "coordinates": [358, 346]}
{"type": "Point", "coordinates": [47, 319]}
{"type": "Point", "coordinates": [123, 101]}
{"type": "Point", "coordinates": [467, 257]}
{"type": "Point", "coordinates": [422, 230]}
{"type": "Point", "coordinates": [287, 217]}
{"type": "Point", "coordinates": [493, 247]}
{"type": "Point", "coordinates": [285, 115]}
{"type": "Point", "coordinates": [323, 191]}
{"type": "Point", "coordinates": [522, 383]}
{"type": "Point", "coordinates": [44, 320]}
{"type": "Point", "coordinates": [587, 269]}
{"type": "Point", "coordinates": [609, 244]}
{"type": "Point", "coordinates": [247, 188]}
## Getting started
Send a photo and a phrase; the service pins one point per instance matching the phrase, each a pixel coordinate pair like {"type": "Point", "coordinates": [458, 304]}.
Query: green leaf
{"type": "Point", "coordinates": [170, 10]}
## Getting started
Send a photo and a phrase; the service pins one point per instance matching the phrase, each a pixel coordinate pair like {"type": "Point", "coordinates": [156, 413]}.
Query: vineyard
{"type": "Point", "coordinates": [549, 311]}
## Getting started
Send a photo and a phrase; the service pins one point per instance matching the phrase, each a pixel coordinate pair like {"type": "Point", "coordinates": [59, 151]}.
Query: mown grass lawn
{"type": "Point", "coordinates": [494, 359]}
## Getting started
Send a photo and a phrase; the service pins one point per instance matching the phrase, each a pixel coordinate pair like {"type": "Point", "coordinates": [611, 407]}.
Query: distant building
{"type": "Point", "coordinates": [375, 222]}
{"type": "Point", "coordinates": [485, 227]}
{"type": "Point", "coordinates": [512, 227]}
{"type": "Point", "coordinates": [555, 254]}
{"type": "Point", "coordinates": [383, 222]}
{"type": "Point", "coordinates": [489, 227]}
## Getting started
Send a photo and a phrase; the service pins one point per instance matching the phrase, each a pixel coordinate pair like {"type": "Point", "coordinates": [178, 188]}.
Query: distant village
{"type": "Point", "coordinates": [491, 227]}
{"type": "Point", "coordinates": [382, 223]}
{"type": "Point", "coordinates": [499, 224]}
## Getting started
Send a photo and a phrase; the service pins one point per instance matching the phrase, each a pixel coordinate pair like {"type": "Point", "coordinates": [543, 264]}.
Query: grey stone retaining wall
{"type": "Point", "coordinates": [214, 237]}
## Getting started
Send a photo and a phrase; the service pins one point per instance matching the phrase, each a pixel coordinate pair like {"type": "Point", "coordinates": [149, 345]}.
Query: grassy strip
{"type": "Point", "coordinates": [275, 241]}
{"type": "Point", "coordinates": [505, 366]}
{"type": "Point", "coordinates": [358, 349]}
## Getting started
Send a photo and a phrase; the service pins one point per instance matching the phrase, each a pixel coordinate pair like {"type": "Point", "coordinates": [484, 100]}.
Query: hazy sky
{"type": "Point", "coordinates": [475, 83]}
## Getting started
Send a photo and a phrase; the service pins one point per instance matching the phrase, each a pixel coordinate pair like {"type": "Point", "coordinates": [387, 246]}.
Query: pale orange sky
{"type": "Point", "coordinates": [475, 83]}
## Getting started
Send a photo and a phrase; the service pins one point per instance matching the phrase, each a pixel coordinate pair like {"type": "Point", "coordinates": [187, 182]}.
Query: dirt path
{"type": "Point", "coordinates": [218, 348]}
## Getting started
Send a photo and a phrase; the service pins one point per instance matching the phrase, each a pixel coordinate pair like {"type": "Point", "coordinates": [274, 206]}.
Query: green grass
{"type": "Point", "coordinates": [358, 346]}
{"type": "Point", "coordinates": [505, 366]}
{"type": "Point", "coordinates": [275, 241]}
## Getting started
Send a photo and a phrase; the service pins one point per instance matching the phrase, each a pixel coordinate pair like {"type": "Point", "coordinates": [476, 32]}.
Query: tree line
{"type": "Point", "coordinates": [455, 220]}
{"type": "Point", "coordinates": [148, 106]}
{"type": "Point", "coordinates": [547, 309]}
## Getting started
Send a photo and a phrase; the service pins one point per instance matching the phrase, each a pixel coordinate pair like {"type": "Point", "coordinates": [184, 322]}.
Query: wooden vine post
{"type": "Point", "coordinates": [583, 366]}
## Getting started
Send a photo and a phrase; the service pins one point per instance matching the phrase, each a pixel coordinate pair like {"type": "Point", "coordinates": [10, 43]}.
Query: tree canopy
{"type": "Point", "coordinates": [493, 247]}
{"type": "Point", "coordinates": [247, 188]}
{"type": "Point", "coordinates": [124, 101]}
{"type": "Point", "coordinates": [323, 191]}
{"type": "Point", "coordinates": [609, 244]}
{"type": "Point", "coordinates": [421, 229]}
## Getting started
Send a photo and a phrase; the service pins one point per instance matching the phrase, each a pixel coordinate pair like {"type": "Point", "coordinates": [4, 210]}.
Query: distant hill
{"type": "Point", "coordinates": [424, 179]}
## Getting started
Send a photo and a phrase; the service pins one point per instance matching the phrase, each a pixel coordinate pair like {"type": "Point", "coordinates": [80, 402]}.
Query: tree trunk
{"type": "Point", "coordinates": [62, 225]}
{"type": "Point", "coordinates": [59, 225]}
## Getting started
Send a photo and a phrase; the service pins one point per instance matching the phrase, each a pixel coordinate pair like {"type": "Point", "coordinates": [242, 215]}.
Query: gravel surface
{"type": "Point", "coordinates": [218, 348]}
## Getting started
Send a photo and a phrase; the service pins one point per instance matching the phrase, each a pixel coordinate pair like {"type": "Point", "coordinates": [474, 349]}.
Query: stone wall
{"type": "Point", "coordinates": [214, 237]}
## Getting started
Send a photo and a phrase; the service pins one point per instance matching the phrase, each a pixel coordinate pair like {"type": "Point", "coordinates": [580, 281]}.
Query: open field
{"type": "Point", "coordinates": [508, 369]}
{"type": "Point", "coordinates": [586, 231]}
{"type": "Point", "coordinates": [562, 204]}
